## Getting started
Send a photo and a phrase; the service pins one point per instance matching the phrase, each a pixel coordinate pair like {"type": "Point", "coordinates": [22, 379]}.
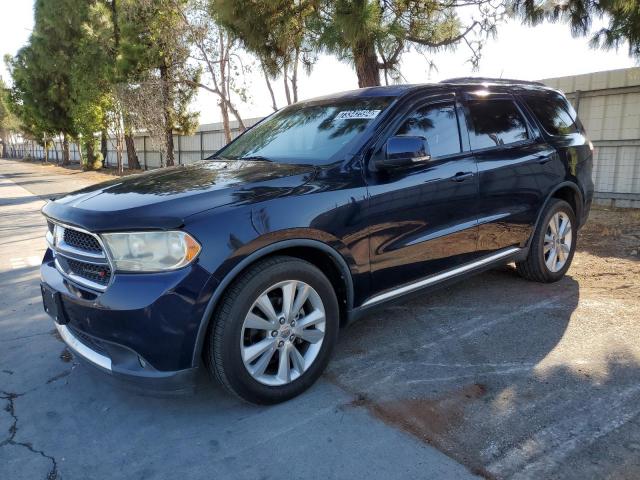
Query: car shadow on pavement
{"type": "Point", "coordinates": [504, 375]}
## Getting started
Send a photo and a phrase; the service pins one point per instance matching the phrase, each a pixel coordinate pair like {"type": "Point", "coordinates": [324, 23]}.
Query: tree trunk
{"type": "Point", "coordinates": [79, 151]}
{"type": "Point", "coordinates": [103, 147]}
{"type": "Point", "coordinates": [119, 163]}
{"type": "Point", "coordinates": [166, 107]}
{"type": "Point", "coordinates": [66, 157]}
{"type": "Point", "coordinates": [224, 92]}
{"type": "Point", "coordinates": [274, 105]}
{"type": "Point", "coordinates": [46, 150]}
{"type": "Point", "coordinates": [294, 76]}
{"type": "Point", "coordinates": [366, 62]}
{"type": "Point", "coordinates": [285, 77]}
{"type": "Point", "coordinates": [132, 155]}
{"type": "Point", "coordinates": [91, 156]}
{"type": "Point", "coordinates": [4, 141]}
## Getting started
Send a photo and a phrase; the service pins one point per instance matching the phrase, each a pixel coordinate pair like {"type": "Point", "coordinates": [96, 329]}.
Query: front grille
{"type": "Point", "coordinates": [100, 274]}
{"type": "Point", "coordinates": [81, 241]}
{"type": "Point", "coordinates": [79, 256]}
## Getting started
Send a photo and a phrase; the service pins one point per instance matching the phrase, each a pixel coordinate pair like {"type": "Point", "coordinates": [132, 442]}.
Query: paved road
{"type": "Point", "coordinates": [509, 378]}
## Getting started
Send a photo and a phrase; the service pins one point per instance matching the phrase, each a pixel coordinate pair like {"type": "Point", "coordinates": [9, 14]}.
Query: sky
{"type": "Point", "coordinates": [518, 52]}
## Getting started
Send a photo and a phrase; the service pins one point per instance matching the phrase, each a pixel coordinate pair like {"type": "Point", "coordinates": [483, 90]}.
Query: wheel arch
{"type": "Point", "coordinates": [323, 256]}
{"type": "Point", "coordinates": [570, 193]}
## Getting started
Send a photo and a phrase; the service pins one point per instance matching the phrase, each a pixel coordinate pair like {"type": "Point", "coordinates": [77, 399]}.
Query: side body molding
{"type": "Point", "coordinates": [257, 255]}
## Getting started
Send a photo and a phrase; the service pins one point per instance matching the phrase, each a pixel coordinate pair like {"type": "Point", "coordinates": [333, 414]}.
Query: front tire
{"type": "Point", "coordinates": [552, 246]}
{"type": "Point", "coordinates": [274, 330]}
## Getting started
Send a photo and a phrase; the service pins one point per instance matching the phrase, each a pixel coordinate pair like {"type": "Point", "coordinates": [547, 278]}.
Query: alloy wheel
{"type": "Point", "coordinates": [557, 241]}
{"type": "Point", "coordinates": [282, 333]}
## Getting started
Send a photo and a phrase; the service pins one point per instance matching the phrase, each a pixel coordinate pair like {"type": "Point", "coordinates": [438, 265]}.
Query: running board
{"type": "Point", "coordinates": [439, 277]}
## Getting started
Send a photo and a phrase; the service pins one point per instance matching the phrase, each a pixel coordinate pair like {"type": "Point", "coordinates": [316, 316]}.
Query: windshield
{"type": "Point", "coordinates": [311, 133]}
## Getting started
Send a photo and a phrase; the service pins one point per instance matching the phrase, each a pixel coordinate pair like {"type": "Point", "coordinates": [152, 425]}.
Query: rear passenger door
{"type": "Point", "coordinates": [515, 169]}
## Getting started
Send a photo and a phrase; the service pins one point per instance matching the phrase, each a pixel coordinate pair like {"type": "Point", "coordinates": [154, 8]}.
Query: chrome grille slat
{"type": "Point", "coordinates": [80, 256]}
{"type": "Point", "coordinates": [81, 241]}
{"type": "Point", "coordinates": [95, 273]}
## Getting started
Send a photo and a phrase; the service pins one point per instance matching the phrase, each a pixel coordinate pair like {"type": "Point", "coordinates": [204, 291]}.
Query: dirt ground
{"type": "Point", "coordinates": [608, 251]}
{"type": "Point", "coordinates": [92, 176]}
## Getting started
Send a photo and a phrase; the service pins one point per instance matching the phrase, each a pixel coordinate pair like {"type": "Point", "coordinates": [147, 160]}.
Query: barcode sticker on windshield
{"type": "Point", "coordinates": [358, 114]}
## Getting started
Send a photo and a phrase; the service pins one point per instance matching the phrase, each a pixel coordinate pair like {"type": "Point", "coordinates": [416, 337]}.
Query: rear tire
{"type": "Point", "coordinates": [552, 246]}
{"type": "Point", "coordinates": [274, 330]}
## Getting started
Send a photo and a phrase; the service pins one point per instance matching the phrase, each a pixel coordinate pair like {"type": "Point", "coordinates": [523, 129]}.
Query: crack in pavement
{"type": "Point", "coordinates": [13, 430]}
{"type": "Point", "coordinates": [24, 337]}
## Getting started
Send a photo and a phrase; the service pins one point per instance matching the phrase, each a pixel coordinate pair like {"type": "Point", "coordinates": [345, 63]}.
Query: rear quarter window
{"type": "Point", "coordinates": [553, 115]}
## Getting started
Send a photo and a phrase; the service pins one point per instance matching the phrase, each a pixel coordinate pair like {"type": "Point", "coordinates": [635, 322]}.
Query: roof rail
{"type": "Point", "coordinates": [505, 81]}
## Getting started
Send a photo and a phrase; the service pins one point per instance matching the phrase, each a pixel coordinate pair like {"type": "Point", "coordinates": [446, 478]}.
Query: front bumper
{"type": "Point", "coordinates": [141, 331]}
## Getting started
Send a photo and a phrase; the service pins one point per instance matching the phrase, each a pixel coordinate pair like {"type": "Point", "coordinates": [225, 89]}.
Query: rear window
{"type": "Point", "coordinates": [552, 115]}
{"type": "Point", "coordinates": [495, 123]}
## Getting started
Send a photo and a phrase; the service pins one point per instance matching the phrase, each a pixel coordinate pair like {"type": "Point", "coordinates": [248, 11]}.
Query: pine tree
{"type": "Point", "coordinates": [623, 19]}
{"type": "Point", "coordinates": [371, 34]}
{"type": "Point", "coordinates": [8, 122]}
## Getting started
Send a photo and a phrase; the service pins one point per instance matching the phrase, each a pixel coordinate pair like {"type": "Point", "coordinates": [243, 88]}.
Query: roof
{"type": "Point", "coordinates": [489, 80]}
{"type": "Point", "coordinates": [382, 91]}
{"type": "Point", "coordinates": [501, 84]}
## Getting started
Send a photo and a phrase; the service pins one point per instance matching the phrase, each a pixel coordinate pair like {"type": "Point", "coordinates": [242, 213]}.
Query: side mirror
{"type": "Point", "coordinates": [402, 151]}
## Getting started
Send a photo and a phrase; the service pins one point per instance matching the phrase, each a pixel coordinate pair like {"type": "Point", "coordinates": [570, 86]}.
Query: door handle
{"type": "Point", "coordinates": [461, 176]}
{"type": "Point", "coordinates": [542, 159]}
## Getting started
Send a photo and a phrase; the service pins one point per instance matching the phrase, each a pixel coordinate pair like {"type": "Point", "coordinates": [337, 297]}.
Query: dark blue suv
{"type": "Point", "coordinates": [251, 260]}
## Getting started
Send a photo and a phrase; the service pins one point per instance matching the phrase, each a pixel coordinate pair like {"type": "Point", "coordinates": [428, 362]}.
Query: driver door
{"type": "Point", "coordinates": [423, 217]}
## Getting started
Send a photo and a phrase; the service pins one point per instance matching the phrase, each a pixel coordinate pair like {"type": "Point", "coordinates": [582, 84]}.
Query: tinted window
{"type": "Point", "coordinates": [552, 115]}
{"type": "Point", "coordinates": [438, 124]}
{"type": "Point", "coordinates": [495, 123]}
{"type": "Point", "coordinates": [308, 132]}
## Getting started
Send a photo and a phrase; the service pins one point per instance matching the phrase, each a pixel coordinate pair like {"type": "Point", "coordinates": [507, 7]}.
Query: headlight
{"type": "Point", "coordinates": [150, 251]}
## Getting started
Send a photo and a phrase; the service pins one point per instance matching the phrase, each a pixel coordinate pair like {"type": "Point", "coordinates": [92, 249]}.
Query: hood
{"type": "Point", "coordinates": [164, 198]}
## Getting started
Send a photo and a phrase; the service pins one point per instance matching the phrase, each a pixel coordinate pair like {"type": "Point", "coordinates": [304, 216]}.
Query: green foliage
{"type": "Point", "coordinates": [272, 29]}
{"type": "Point", "coordinates": [92, 70]}
{"type": "Point", "coordinates": [82, 53]}
{"type": "Point", "coordinates": [8, 121]}
{"type": "Point", "coordinates": [153, 47]}
{"type": "Point", "coordinates": [623, 19]}
{"type": "Point", "coordinates": [372, 34]}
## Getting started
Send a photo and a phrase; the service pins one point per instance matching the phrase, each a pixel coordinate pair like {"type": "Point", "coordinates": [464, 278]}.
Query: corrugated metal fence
{"type": "Point", "coordinates": [207, 140]}
{"type": "Point", "coordinates": [608, 104]}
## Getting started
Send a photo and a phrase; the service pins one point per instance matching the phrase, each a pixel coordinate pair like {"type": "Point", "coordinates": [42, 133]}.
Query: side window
{"type": "Point", "coordinates": [438, 124]}
{"type": "Point", "coordinates": [495, 123]}
{"type": "Point", "coordinates": [552, 115]}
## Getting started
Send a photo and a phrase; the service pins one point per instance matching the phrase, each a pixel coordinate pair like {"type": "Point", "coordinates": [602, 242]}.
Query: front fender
{"type": "Point", "coordinates": [230, 270]}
